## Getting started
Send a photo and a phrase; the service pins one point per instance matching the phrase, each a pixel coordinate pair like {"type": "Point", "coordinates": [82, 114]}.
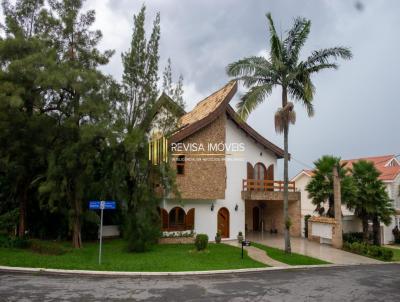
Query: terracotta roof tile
{"type": "Point", "coordinates": [381, 164]}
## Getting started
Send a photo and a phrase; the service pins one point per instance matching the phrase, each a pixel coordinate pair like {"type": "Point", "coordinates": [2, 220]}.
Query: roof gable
{"type": "Point", "coordinates": [209, 109]}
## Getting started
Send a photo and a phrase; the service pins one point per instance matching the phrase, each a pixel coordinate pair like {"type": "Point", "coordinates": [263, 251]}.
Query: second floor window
{"type": "Point", "coordinates": [180, 165]}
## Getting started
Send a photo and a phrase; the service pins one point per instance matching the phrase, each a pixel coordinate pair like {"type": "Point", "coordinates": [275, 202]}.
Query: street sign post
{"type": "Point", "coordinates": [102, 205]}
{"type": "Point", "coordinates": [245, 243]}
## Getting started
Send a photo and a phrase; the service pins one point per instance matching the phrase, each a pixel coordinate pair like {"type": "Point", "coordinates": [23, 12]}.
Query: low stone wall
{"type": "Point", "coordinates": [176, 240]}
{"type": "Point", "coordinates": [333, 237]}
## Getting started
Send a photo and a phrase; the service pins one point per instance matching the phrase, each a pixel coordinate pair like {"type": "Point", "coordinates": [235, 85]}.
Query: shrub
{"type": "Point", "coordinates": [353, 237]}
{"type": "Point", "coordinates": [387, 254]}
{"type": "Point", "coordinates": [373, 251]}
{"type": "Point", "coordinates": [14, 242]}
{"type": "Point", "coordinates": [48, 248]}
{"type": "Point", "coordinates": [396, 234]}
{"type": "Point", "coordinates": [201, 242]}
{"type": "Point", "coordinates": [218, 237]}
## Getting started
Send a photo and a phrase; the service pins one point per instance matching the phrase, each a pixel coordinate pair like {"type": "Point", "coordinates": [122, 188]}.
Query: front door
{"type": "Point", "coordinates": [223, 222]}
{"type": "Point", "coordinates": [256, 219]}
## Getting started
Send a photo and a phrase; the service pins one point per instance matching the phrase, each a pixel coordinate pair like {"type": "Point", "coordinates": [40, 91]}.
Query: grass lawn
{"type": "Point", "coordinates": [177, 257]}
{"type": "Point", "coordinates": [396, 254]}
{"type": "Point", "coordinates": [291, 259]}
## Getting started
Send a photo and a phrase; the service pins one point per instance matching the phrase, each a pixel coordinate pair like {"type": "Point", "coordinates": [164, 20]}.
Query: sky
{"type": "Point", "coordinates": [357, 107]}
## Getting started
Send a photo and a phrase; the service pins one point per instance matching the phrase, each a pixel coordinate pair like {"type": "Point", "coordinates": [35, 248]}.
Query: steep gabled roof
{"type": "Point", "coordinates": [388, 173]}
{"type": "Point", "coordinates": [209, 109]}
{"type": "Point", "coordinates": [205, 112]}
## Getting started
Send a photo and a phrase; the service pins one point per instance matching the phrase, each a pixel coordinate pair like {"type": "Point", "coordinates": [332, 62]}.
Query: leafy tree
{"type": "Point", "coordinates": [371, 200]}
{"type": "Point", "coordinates": [320, 187]}
{"type": "Point", "coordinates": [76, 96]}
{"type": "Point", "coordinates": [26, 131]}
{"type": "Point", "coordinates": [139, 93]}
{"type": "Point", "coordinates": [284, 68]}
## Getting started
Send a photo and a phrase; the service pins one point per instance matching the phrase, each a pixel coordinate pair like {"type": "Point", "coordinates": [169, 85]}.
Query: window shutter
{"type": "Point", "coordinates": [190, 220]}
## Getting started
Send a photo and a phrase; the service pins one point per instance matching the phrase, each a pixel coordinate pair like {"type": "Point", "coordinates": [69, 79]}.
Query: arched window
{"type": "Point", "coordinates": [177, 218]}
{"type": "Point", "coordinates": [259, 171]}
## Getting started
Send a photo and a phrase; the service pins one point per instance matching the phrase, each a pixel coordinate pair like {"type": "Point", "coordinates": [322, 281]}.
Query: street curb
{"type": "Point", "coordinates": [51, 271]}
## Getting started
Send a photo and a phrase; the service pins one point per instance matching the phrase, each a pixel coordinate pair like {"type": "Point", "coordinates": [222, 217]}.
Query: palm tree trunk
{"type": "Point", "coordinates": [376, 230]}
{"type": "Point", "coordinates": [364, 220]}
{"type": "Point", "coordinates": [286, 218]}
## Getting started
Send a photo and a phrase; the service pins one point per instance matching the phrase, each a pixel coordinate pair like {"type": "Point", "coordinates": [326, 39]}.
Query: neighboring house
{"type": "Point", "coordinates": [225, 174]}
{"type": "Point", "coordinates": [387, 165]}
{"type": "Point", "coordinates": [350, 222]}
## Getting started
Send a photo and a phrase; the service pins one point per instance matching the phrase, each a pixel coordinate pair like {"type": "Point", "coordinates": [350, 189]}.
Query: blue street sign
{"type": "Point", "coordinates": [102, 205]}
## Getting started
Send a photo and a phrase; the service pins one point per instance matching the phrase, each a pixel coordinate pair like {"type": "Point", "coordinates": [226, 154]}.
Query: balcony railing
{"type": "Point", "coordinates": [266, 185]}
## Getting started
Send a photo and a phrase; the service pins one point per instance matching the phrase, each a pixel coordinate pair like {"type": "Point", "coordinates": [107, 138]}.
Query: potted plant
{"type": "Point", "coordinates": [240, 237]}
{"type": "Point", "coordinates": [218, 237]}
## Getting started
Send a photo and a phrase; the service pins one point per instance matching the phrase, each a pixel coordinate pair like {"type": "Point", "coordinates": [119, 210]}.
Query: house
{"type": "Point", "coordinates": [388, 166]}
{"type": "Point", "coordinates": [225, 174]}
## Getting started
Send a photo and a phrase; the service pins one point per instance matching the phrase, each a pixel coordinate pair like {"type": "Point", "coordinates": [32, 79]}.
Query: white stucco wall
{"type": "Point", "coordinates": [393, 191]}
{"type": "Point", "coordinates": [236, 171]}
{"type": "Point", "coordinates": [350, 222]}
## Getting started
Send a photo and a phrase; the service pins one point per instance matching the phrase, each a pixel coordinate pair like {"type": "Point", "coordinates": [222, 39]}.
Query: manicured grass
{"type": "Point", "coordinates": [177, 257]}
{"type": "Point", "coordinates": [291, 259]}
{"type": "Point", "coordinates": [396, 253]}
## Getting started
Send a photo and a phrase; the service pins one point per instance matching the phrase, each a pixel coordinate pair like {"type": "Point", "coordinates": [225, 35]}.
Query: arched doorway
{"type": "Point", "coordinates": [223, 222]}
{"type": "Point", "coordinates": [256, 219]}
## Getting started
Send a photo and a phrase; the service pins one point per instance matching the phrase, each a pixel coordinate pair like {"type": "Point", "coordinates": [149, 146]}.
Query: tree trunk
{"type": "Point", "coordinates": [365, 228]}
{"type": "Point", "coordinates": [76, 226]}
{"type": "Point", "coordinates": [286, 218]}
{"type": "Point", "coordinates": [23, 199]}
{"type": "Point", "coordinates": [376, 230]}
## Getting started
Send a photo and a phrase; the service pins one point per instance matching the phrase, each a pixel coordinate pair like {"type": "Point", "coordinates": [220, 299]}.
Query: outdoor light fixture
{"type": "Point", "coordinates": [236, 207]}
{"type": "Point", "coordinates": [212, 207]}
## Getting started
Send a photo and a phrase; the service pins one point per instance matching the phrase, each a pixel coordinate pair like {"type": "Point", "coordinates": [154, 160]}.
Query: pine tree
{"type": "Point", "coordinates": [139, 89]}
{"type": "Point", "coordinates": [173, 90]}
{"type": "Point", "coordinates": [25, 128]}
{"type": "Point", "coordinates": [76, 96]}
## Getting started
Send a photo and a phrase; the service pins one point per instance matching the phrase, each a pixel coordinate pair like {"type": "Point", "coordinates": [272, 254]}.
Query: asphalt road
{"type": "Point", "coordinates": [352, 283]}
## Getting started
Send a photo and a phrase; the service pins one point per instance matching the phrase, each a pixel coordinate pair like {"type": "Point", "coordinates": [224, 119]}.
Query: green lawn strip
{"type": "Point", "coordinates": [162, 258]}
{"type": "Point", "coordinates": [291, 259]}
{"type": "Point", "coordinates": [396, 253]}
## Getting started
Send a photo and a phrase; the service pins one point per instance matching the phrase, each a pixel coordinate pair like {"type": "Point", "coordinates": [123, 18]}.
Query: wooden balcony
{"type": "Point", "coordinates": [256, 189]}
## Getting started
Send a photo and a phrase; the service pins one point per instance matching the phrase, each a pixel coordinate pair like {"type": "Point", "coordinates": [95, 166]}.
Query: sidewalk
{"type": "Point", "coordinates": [258, 255]}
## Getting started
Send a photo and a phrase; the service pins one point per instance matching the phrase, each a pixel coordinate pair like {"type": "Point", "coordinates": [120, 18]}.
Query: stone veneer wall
{"type": "Point", "coordinates": [273, 215]}
{"type": "Point", "coordinates": [204, 179]}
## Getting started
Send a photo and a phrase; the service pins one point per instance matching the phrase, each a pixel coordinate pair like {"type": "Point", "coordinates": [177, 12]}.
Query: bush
{"type": "Point", "coordinates": [396, 234]}
{"type": "Point", "coordinates": [373, 251]}
{"type": "Point", "coordinates": [201, 242]}
{"type": "Point", "coordinates": [353, 237]}
{"type": "Point", "coordinates": [14, 242]}
{"type": "Point", "coordinates": [48, 248]}
{"type": "Point", "coordinates": [387, 254]}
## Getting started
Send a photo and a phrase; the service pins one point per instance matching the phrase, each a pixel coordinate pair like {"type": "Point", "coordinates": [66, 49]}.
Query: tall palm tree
{"type": "Point", "coordinates": [284, 68]}
{"type": "Point", "coordinates": [320, 187]}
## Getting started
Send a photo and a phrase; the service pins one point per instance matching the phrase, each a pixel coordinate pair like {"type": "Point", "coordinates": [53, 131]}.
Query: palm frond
{"type": "Point", "coordinates": [323, 56]}
{"type": "Point", "coordinates": [319, 67]}
{"type": "Point", "coordinates": [247, 66]}
{"type": "Point", "coordinates": [296, 38]}
{"type": "Point", "coordinates": [303, 93]}
{"type": "Point", "coordinates": [252, 99]}
{"type": "Point", "coordinates": [276, 44]}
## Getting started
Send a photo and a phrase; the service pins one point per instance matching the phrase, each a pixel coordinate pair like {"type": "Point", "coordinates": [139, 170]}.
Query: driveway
{"type": "Point", "coordinates": [312, 249]}
{"type": "Point", "coordinates": [350, 283]}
